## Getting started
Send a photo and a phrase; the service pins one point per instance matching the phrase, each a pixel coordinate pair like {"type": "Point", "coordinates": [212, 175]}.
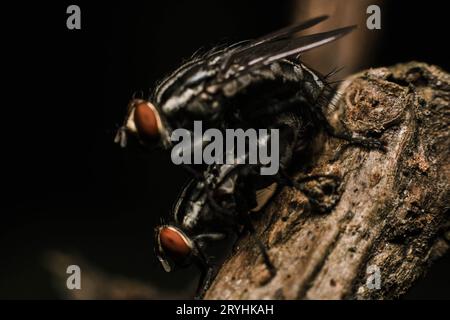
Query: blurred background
{"type": "Point", "coordinates": [70, 196]}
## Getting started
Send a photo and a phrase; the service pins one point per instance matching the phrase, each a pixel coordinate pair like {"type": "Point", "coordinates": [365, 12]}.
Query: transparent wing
{"type": "Point", "coordinates": [242, 51]}
{"type": "Point", "coordinates": [269, 52]}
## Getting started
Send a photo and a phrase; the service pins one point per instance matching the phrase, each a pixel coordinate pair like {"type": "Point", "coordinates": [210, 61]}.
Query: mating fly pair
{"type": "Point", "coordinates": [259, 83]}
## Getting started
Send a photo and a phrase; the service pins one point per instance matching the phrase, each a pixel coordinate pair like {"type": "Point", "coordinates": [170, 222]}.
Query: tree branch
{"type": "Point", "coordinates": [392, 212]}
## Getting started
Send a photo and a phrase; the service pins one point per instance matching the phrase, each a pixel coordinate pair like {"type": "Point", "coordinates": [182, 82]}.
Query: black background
{"type": "Point", "coordinates": [66, 186]}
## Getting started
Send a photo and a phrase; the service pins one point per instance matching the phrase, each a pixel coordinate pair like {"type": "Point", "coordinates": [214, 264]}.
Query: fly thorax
{"type": "Point", "coordinates": [178, 101]}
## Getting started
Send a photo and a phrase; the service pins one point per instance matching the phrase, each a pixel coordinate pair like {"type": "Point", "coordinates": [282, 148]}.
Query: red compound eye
{"type": "Point", "coordinates": [145, 118]}
{"type": "Point", "coordinates": [174, 243]}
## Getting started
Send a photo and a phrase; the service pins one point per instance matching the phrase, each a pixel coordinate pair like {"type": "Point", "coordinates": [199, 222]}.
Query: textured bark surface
{"type": "Point", "coordinates": [393, 209]}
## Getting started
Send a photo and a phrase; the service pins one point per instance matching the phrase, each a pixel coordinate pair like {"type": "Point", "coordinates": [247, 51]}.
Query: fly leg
{"type": "Point", "coordinates": [355, 140]}
{"type": "Point", "coordinates": [207, 275]}
{"type": "Point", "coordinates": [367, 143]}
{"type": "Point", "coordinates": [324, 102]}
{"type": "Point", "coordinates": [248, 225]}
{"type": "Point", "coordinates": [364, 142]}
{"type": "Point", "coordinates": [208, 272]}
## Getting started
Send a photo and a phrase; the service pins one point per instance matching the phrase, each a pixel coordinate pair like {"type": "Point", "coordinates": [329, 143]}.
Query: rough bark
{"type": "Point", "coordinates": [392, 212]}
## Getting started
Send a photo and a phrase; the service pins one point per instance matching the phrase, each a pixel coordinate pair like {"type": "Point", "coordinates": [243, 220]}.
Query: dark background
{"type": "Point", "coordinates": [66, 186]}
